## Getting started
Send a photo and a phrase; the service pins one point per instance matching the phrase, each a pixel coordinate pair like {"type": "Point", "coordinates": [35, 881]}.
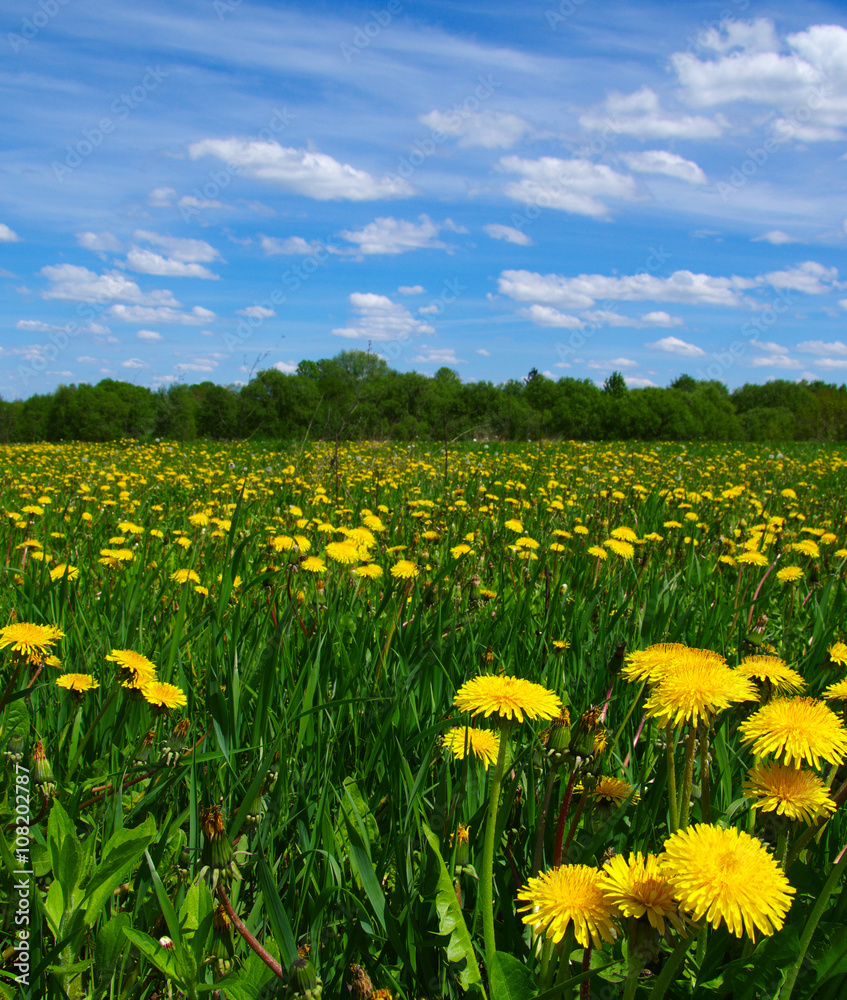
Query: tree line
{"type": "Point", "coordinates": [355, 395]}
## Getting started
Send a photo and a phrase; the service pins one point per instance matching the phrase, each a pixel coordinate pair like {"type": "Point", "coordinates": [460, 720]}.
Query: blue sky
{"type": "Point", "coordinates": [194, 191]}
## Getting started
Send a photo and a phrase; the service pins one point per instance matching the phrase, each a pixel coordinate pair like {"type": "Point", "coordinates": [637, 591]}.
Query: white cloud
{"type": "Point", "coordinates": [160, 314]}
{"type": "Point", "coordinates": [491, 129]}
{"type": "Point", "coordinates": [673, 345]}
{"type": "Point", "coordinates": [133, 363]}
{"type": "Point", "coordinates": [7, 235]}
{"type": "Point", "coordinates": [568, 185]}
{"type": "Point", "coordinates": [483, 352]}
{"type": "Point", "coordinates": [411, 289]}
{"type": "Point", "coordinates": [614, 363]}
{"type": "Point", "coordinates": [161, 197]}
{"type": "Point", "coordinates": [195, 366]}
{"type": "Point", "coordinates": [177, 248]}
{"type": "Point", "coordinates": [77, 284]}
{"type": "Point", "coordinates": [770, 346]}
{"type": "Point", "coordinates": [776, 237]}
{"type": "Point", "coordinates": [820, 347]}
{"type": "Point", "coordinates": [582, 291]}
{"type": "Point", "coordinates": [99, 242]}
{"type": "Point", "coordinates": [548, 316]}
{"type": "Point", "coordinates": [189, 201]}
{"type": "Point", "coordinates": [149, 335]}
{"type": "Point", "coordinates": [810, 278]}
{"type": "Point", "coordinates": [809, 76]}
{"type": "Point", "coordinates": [431, 310]}
{"type": "Point", "coordinates": [286, 367]}
{"type": "Point", "coordinates": [86, 360]}
{"type": "Point", "coordinates": [640, 115]}
{"type": "Point", "coordinates": [379, 319]}
{"type": "Point", "coordinates": [660, 161]}
{"type": "Point", "coordinates": [661, 318]}
{"type": "Point", "coordinates": [293, 245]}
{"type": "Point", "coordinates": [634, 382]}
{"type": "Point", "coordinates": [314, 175]}
{"type": "Point", "coordinates": [439, 356]}
{"type": "Point", "coordinates": [147, 262]}
{"type": "Point", "coordinates": [775, 361]}
{"type": "Point", "coordinates": [393, 236]}
{"type": "Point", "coordinates": [507, 233]}
{"type": "Point", "coordinates": [831, 364]}
{"type": "Point", "coordinates": [256, 312]}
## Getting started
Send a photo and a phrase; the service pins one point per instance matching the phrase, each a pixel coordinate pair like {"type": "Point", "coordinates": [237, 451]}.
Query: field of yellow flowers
{"type": "Point", "coordinates": [546, 720]}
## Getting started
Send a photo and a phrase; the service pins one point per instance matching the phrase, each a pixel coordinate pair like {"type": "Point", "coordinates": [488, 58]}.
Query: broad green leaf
{"type": "Point", "coordinates": [162, 958]}
{"type": "Point", "coordinates": [450, 919]}
{"type": "Point", "coordinates": [510, 979]}
{"type": "Point", "coordinates": [122, 851]}
{"type": "Point", "coordinates": [110, 943]}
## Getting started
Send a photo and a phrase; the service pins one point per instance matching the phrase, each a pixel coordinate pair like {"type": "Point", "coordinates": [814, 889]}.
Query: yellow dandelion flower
{"type": "Point", "coordinates": [796, 729]}
{"type": "Point", "coordinates": [162, 695]}
{"type": "Point", "coordinates": [282, 543]}
{"type": "Point", "coordinates": [30, 641]}
{"type": "Point", "coordinates": [790, 574]}
{"type": "Point", "coordinates": [184, 575]}
{"type": "Point", "coordinates": [788, 791]}
{"type": "Point", "coordinates": [138, 666]}
{"type": "Point", "coordinates": [699, 685]}
{"type": "Point", "coordinates": [513, 524]}
{"type": "Point", "coordinates": [78, 683]}
{"type": "Point", "coordinates": [569, 894]}
{"type": "Point", "coordinates": [313, 564]}
{"type": "Point", "coordinates": [61, 569]}
{"type": "Point", "coordinates": [728, 877]}
{"type": "Point", "coordinates": [807, 547]}
{"type": "Point", "coordinates": [636, 887]}
{"type": "Point", "coordinates": [838, 653]}
{"type": "Point", "coordinates": [614, 790]}
{"type": "Point", "coordinates": [369, 572]}
{"type": "Point", "coordinates": [836, 692]}
{"type": "Point", "coordinates": [405, 569]}
{"type": "Point", "coordinates": [460, 550]}
{"type": "Point", "coordinates": [625, 534]}
{"type": "Point", "coordinates": [773, 670]}
{"type": "Point", "coordinates": [343, 552]}
{"type": "Point", "coordinates": [598, 551]}
{"type": "Point", "coordinates": [753, 559]}
{"type": "Point", "coordinates": [481, 743]}
{"type": "Point", "coordinates": [621, 548]}
{"type": "Point", "coordinates": [648, 664]}
{"type": "Point", "coordinates": [509, 697]}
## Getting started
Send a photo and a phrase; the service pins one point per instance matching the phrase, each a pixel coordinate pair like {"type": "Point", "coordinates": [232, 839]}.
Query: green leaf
{"type": "Point", "coordinates": [54, 907]}
{"type": "Point", "coordinates": [15, 720]}
{"type": "Point", "coordinates": [280, 923]}
{"type": "Point", "coordinates": [831, 960]}
{"type": "Point", "coordinates": [162, 958]}
{"type": "Point", "coordinates": [195, 918]}
{"type": "Point", "coordinates": [60, 831]}
{"type": "Point", "coordinates": [510, 979]}
{"type": "Point", "coordinates": [451, 921]}
{"type": "Point", "coordinates": [122, 851]}
{"type": "Point", "coordinates": [109, 944]}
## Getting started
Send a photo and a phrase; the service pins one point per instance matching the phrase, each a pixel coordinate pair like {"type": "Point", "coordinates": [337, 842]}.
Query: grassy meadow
{"type": "Point", "coordinates": [235, 764]}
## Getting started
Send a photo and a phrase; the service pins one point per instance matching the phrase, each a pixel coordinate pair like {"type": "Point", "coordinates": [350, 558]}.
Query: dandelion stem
{"type": "Point", "coordinates": [688, 778]}
{"type": "Point", "coordinates": [563, 815]}
{"type": "Point", "coordinates": [670, 747]}
{"type": "Point", "coordinates": [265, 955]}
{"type": "Point", "coordinates": [634, 966]}
{"type": "Point", "coordinates": [542, 825]}
{"type": "Point", "coordinates": [486, 880]}
{"type": "Point", "coordinates": [705, 777]}
{"type": "Point", "coordinates": [669, 969]}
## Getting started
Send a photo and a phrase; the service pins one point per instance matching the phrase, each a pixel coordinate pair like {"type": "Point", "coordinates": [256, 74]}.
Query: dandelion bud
{"type": "Point", "coordinates": [14, 752]}
{"type": "Point", "coordinates": [560, 732]}
{"type": "Point", "coordinates": [303, 980]}
{"type": "Point", "coordinates": [42, 772]}
{"type": "Point", "coordinates": [582, 739]}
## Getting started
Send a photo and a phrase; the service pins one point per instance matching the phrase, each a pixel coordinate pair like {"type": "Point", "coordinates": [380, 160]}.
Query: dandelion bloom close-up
{"type": "Point", "coordinates": [788, 791]}
{"type": "Point", "coordinates": [614, 790]}
{"type": "Point", "coordinates": [636, 887]}
{"type": "Point", "coordinates": [727, 877]}
{"type": "Point", "coordinates": [481, 743]}
{"type": "Point", "coordinates": [30, 641]}
{"type": "Point", "coordinates": [163, 695]}
{"type": "Point", "coordinates": [405, 569]}
{"type": "Point", "coordinates": [797, 730]}
{"type": "Point", "coordinates": [139, 667]}
{"type": "Point", "coordinates": [77, 683]}
{"type": "Point", "coordinates": [697, 687]}
{"type": "Point", "coordinates": [773, 671]}
{"type": "Point", "coordinates": [508, 697]}
{"type": "Point", "coordinates": [569, 894]}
